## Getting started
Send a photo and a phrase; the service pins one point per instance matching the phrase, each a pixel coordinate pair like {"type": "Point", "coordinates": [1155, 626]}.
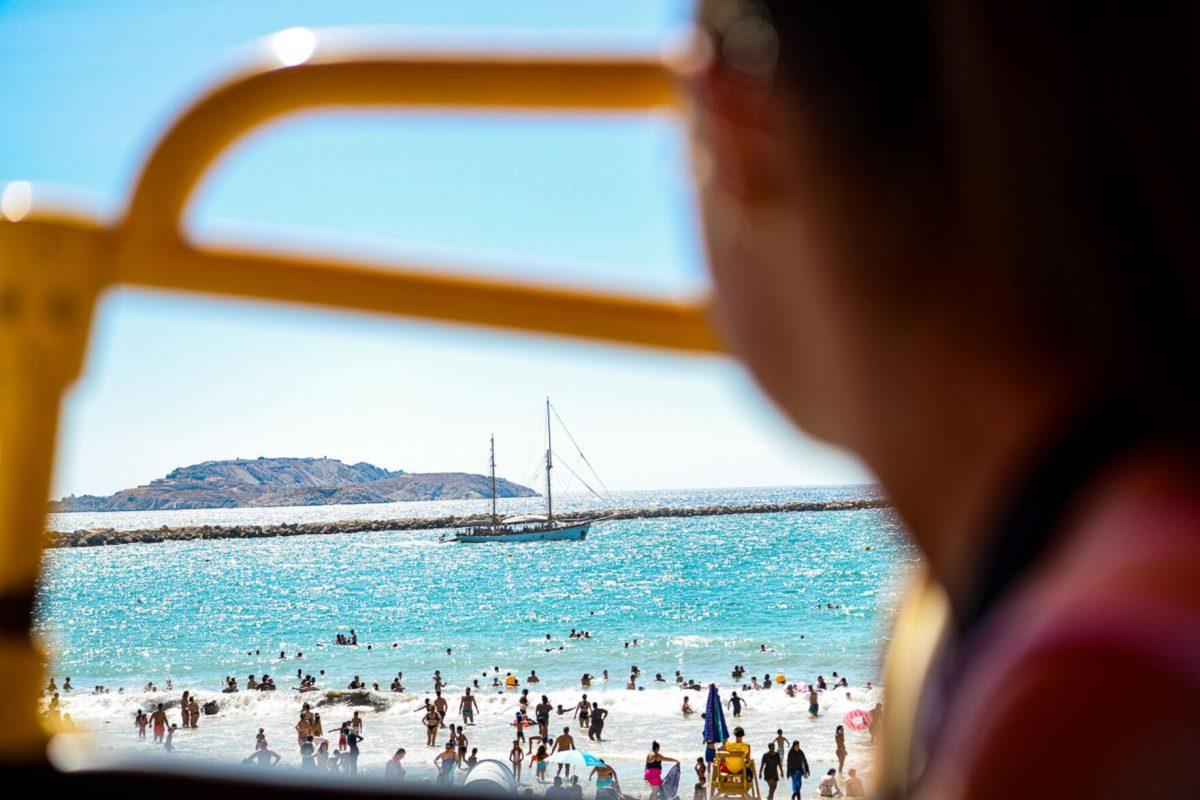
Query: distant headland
{"type": "Point", "coordinates": [260, 482]}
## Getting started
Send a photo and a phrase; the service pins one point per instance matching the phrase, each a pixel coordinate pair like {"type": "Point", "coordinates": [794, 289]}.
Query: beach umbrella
{"type": "Point", "coordinates": [575, 758]}
{"type": "Point", "coordinates": [715, 729]}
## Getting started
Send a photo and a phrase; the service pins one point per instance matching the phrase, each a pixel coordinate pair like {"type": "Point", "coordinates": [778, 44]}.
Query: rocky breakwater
{"type": "Point", "coordinates": [99, 537]}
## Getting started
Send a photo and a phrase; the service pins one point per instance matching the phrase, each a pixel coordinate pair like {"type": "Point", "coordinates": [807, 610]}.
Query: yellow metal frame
{"type": "Point", "coordinates": [55, 264]}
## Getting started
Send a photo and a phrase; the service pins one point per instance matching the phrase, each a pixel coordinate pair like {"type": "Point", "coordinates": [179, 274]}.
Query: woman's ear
{"type": "Point", "coordinates": [738, 134]}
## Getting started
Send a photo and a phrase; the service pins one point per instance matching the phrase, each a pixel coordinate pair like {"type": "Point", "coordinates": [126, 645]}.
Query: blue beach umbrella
{"type": "Point", "coordinates": [715, 729]}
{"type": "Point", "coordinates": [575, 758]}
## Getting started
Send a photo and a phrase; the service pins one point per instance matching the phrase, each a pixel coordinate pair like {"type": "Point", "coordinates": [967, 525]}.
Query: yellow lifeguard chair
{"type": "Point", "coordinates": [733, 773]}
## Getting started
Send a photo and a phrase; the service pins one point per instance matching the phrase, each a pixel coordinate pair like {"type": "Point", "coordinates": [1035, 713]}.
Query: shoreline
{"type": "Point", "coordinates": [636, 718]}
{"type": "Point", "coordinates": [103, 537]}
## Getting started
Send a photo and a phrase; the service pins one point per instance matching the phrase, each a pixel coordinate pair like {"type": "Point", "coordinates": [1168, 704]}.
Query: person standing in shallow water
{"type": "Point", "coordinates": [839, 741]}
{"type": "Point", "coordinates": [440, 704]}
{"type": "Point", "coordinates": [432, 721]}
{"type": "Point", "coordinates": [769, 769]}
{"type": "Point", "coordinates": [394, 769]}
{"type": "Point", "coordinates": [797, 769]}
{"type": "Point", "coordinates": [582, 711]}
{"type": "Point", "coordinates": [654, 765]}
{"type": "Point", "coordinates": [563, 743]}
{"type": "Point", "coordinates": [538, 761]}
{"type": "Point", "coordinates": [734, 702]}
{"type": "Point", "coordinates": [466, 706]}
{"type": "Point", "coordinates": [596, 722]}
{"type": "Point", "coordinates": [303, 728]}
{"type": "Point", "coordinates": [351, 757]}
{"type": "Point", "coordinates": [445, 762]}
{"type": "Point", "coordinates": [542, 713]}
{"type": "Point", "coordinates": [158, 721]}
{"type": "Point", "coordinates": [515, 758]}
{"type": "Point", "coordinates": [781, 742]}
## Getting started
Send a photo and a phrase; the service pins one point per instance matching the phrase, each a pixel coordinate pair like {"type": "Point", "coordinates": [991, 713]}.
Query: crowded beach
{"type": "Point", "coordinates": [560, 743]}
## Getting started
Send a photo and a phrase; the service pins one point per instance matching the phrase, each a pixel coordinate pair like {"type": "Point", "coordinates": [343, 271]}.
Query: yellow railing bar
{"type": "Point", "coordinates": [153, 252]}
{"type": "Point", "coordinates": [503, 82]}
{"type": "Point", "coordinates": [613, 318]}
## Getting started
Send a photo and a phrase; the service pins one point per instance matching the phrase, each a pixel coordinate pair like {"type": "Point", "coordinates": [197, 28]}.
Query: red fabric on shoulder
{"type": "Point", "coordinates": [1085, 682]}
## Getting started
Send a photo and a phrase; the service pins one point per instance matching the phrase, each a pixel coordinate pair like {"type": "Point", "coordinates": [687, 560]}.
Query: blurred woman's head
{"type": "Point", "coordinates": [900, 186]}
{"type": "Point", "coordinates": [940, 223]}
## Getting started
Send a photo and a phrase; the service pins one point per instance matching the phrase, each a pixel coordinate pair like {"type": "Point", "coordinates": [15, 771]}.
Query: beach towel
{"type": "Point", "coordinates": [670, 784]}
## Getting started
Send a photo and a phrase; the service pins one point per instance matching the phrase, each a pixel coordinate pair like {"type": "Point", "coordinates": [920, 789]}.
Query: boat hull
{"type": "Point", "coordinates": [565, 533]}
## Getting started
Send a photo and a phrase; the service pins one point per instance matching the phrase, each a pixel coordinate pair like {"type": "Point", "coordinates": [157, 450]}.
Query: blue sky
{"type": "Point", "coordinates": [173, 379]}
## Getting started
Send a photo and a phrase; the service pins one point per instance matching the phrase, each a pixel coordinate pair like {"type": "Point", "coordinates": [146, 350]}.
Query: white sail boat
{"type": "Point", "coordinates": [528, 528]}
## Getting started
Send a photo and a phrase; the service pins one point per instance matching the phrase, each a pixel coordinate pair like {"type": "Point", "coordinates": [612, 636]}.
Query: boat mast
{"type": "Point", "coordinates": [549, 466]}
{"type": "Point", "coordinates": [495, 518]}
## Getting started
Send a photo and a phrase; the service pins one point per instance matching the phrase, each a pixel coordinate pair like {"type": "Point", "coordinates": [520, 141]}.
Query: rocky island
{"type": "Point", "coordinates": [258, 482]}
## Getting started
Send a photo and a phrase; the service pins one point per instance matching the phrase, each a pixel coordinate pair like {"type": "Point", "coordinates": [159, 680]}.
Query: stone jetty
{"type": "Point", "coordinates": [99, 537]}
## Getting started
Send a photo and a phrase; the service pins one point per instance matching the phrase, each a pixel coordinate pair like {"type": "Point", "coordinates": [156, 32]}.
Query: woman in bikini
{"type": "Point", "coordinates": [839, 740]}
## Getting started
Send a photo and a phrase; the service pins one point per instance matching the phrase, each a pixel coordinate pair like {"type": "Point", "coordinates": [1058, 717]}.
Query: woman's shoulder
{"type": "Point", "coordinates": [1095, 652]}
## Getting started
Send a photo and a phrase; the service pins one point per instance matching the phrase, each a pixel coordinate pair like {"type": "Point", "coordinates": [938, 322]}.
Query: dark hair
{"type": "Point", "coordinates": [1053, 146]}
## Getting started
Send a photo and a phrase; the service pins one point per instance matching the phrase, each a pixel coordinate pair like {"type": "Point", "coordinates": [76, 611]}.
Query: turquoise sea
{"type": "Point", "coordinates": [698, 594]}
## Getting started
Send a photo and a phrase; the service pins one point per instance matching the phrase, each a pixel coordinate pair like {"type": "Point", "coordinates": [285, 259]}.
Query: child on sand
{"type": "Point", "coordinates": [515, 757]}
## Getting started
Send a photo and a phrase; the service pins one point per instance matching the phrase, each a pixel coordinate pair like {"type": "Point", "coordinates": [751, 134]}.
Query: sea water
{"type": "Point", "coordinates": [698, 594]}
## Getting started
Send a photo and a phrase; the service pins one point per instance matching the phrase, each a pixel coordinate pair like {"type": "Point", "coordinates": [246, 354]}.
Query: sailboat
{"type": "Point", "coordinates": [528, 528]}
